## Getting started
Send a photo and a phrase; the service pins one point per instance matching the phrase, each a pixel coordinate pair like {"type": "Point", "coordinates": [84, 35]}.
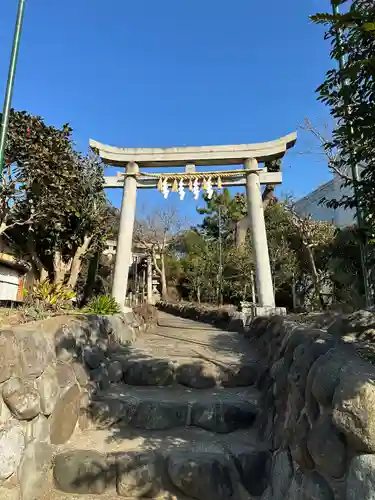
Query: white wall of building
{"type": "Point", "coordinates": [9, 283]}
{"type": "Point", "coordinates": [310, 204]}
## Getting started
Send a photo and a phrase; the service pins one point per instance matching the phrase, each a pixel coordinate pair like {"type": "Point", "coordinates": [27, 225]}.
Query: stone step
{"type": "Point", "coordinates": [190, 462]}
{"type": "Point", "coordinates": [219, 410]}
{"type": "Point", "coordinates": [139, 368]}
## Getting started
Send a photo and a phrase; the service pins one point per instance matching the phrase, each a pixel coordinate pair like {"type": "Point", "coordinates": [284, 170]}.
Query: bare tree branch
{"type": "Point", "coordinates": [4, 226]}
{"type": "Point", "coordinates": [154, 233]}
{"type": "Point", "coordinates": [323, 143]}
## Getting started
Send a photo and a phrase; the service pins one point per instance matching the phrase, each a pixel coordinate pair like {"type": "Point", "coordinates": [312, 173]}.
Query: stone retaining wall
{"type": "Point", "coordinates": [48, 370]}
{"type": "Point", "coordinates": [318, 404]}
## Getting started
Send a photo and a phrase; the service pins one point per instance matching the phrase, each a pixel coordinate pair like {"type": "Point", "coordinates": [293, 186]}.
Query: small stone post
{"type": "Point", "coordinates": [259, 236]}
{"type": "Point", "coordinates": [125, 235]}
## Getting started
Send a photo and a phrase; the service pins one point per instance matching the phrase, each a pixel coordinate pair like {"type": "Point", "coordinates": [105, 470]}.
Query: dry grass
{"type": "Point", "coordinates": [13, 316]}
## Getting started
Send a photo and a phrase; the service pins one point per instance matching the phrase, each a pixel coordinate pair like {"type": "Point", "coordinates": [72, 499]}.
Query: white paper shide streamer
{"type": "Point", "coordinates": [165, 189]}
{"type": "Point", "coordinates": [181, 190]}
{"type": "Point", "coordinates": [209, 189]}
{"type": "Point", "coordinates": [196, 189]}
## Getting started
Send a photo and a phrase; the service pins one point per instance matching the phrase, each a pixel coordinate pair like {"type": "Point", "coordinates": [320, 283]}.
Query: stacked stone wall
{"type": "Point", "coordinates": [48, 372]}
{"type": "Point", "coordinates": [318, 408]}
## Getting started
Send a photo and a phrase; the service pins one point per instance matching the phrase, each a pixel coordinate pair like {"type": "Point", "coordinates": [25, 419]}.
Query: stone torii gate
{"type": "Point", "coordinates": [250, 175]}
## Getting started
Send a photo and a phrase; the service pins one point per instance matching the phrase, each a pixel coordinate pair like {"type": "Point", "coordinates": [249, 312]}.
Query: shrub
{"type": "Point", "coordinates": [50, 296]}
{"type": "Point", "coordinates": [103, 305]}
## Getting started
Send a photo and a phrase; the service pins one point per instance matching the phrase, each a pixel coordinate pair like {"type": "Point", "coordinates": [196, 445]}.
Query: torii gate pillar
{"type": "Point", "coordinates": [125, 235]}
{"type": "Point", "coordinates": [266, 297]}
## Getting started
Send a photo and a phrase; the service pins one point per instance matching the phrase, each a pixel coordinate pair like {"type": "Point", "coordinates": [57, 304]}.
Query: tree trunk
{"type": "Point", "coordinates": [199, 294]}
{"type": "Point", "coordinates": [268, 195]}
{"type": "Point", "coordinates": [77, 261]}
{"type": "Point", "coordinates": [91, 277]}
{"type": "Point", "coordinates": [164, 291]}
{"type": "Point", "coordinates": [60, 268]}
{"type": "Point", "coordinates": [43, 274]}
{"type": "Point", "coordinates": [74, 271]}
{"type": "Point", "coordinates": [315, 276]}
{"type": "Point", "coordinates": [41, 271]}
{"type": "Point", "coordinates": [3, 227]}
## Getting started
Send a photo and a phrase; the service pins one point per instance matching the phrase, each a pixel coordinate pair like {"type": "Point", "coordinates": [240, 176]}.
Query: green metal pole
{"type": "Point", "coordinates": [355, 175]}
{"type": "Point", "coordinates": [10, 83]}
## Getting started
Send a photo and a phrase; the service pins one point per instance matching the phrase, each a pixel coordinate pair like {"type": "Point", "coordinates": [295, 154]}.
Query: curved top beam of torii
{"type": "Point", "coordinates": [234, 154]}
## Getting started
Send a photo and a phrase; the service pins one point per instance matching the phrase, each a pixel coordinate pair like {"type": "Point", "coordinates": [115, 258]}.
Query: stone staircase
{"type": "Point", "coordinates": [171, 417]}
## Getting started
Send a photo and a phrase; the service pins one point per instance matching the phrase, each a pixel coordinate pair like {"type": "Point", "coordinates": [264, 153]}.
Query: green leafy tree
{"type": "Point", "coordinates": [342, 259]}
{"type": "Point", "coordinates": [226, 208]}
{"type": "Point", "coordinates": [31, 149]}
{"type": "Point", "coordinates": [202, 270]}
{"type": "Point", "coordinates": [238, 274]}
{"type": "Point", "coordinates": [57, 197]}
{"type": "Point", "coordinates": [308, 259]}
{"type": "Point", "coordinates": [312, 237]}
{"type": "Point", "coordinates": [283, 246]}
{"type": "Point", "coordinates": [201, 250]}
{"type": "Point", "coordinates": [199, 260]}
{"type": "Point", "coordinates": [349, 91]}
{"type": "Point", "coordinates": [72, 222]}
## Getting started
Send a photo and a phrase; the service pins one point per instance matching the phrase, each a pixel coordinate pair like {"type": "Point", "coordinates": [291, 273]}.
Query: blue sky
{"type": "Point", "coordinates": [173, 72]}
